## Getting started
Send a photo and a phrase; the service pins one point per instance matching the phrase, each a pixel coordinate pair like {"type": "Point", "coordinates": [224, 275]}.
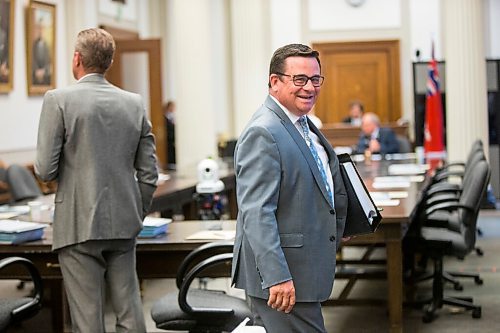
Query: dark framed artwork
{"type": "Point", "coordinates": [41, 47]}
{"type": "Point", "coordinates": [6, 44]}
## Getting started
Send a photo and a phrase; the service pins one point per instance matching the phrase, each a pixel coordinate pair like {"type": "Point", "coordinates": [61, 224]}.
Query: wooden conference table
{"type": "Point", "coordinates": [156, 258]}
{"type": "Point", "coordinates": [160, 257]}
{"type": "Point", "coordinates": [395, 223]}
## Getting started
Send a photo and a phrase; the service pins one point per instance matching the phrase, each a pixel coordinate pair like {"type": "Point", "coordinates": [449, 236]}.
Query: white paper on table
{"type": "Point", "coordinates": [408, 169]}
{"type": "Point", "coordinates": [385, 185]}
{"type": "Point", "coordinates": [379, 196]}
{"type": "Point", "coordinates": [15, 226]}
{"type": "Point", "coordinates": [150, 221]}
{"type": "Point", "coordinates": [388, 202]}
{"type": "Point", "coordinates": [212, 235]}
{"type": "Point", "coordinates": [398, 194]}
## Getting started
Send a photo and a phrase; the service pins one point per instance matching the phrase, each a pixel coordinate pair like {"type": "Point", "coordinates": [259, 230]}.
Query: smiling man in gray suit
{"type": "Point", "coordinates": [291, 198]}
{"type": "Point", "coordinates": [96, 141]}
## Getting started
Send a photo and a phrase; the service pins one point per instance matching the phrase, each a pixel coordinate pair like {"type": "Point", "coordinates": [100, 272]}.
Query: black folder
{"type": "Point", "coordinates": [363, 217]}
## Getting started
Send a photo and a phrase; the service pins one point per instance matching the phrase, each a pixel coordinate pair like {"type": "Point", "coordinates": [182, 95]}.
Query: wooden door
{"type": "Point", "coordinates": [364, 71]}
{"type": "Point", "coordinates": [151, 76]}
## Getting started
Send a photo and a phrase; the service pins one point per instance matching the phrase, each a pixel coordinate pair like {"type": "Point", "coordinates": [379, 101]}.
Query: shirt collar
{"type": "Point", "coordinates": [87, 75]}
{"type": "Point", "coordinates": [293, 118]}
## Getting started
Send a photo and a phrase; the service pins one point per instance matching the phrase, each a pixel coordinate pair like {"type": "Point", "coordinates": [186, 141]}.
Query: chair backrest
{"type": "Point", "coordinates": [15, 310]}
{"type": "Point", "coordinates": [470, 164]}
{"type": "Point", "coordinates": [201, 310]}
{"type": "Point", "coordinates": [404, 144]}
{"type": "Point", "coordinates": [22, 183]}
{"type": "Point", "coordinates": [472, 193]}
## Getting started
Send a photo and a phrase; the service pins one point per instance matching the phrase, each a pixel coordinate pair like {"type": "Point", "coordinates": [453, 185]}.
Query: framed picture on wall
{"type": "Point", "coordinates": [6, 44]}
{"type": "Point", "coordinates": [41, 47]}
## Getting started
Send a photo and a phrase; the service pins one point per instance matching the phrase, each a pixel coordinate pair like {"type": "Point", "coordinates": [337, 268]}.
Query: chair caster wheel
{"type": "Point", "coordinates": [479, 252]}
{"type": "Point", "coordinates": [478, 280]}
{"type": "Point", "coordinates": [458, 287]}
{"type": "Point", "coordinates": [476, 313]}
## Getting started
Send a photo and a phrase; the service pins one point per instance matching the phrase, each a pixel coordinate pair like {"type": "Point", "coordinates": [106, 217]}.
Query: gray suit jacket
{"type": "Point", "coordinates": [286, 226]}
{"type": "Point", "coordinates": [96, 140]}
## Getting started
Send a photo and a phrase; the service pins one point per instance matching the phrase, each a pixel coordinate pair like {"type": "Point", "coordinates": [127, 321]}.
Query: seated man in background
{"type": "Point", "coordinates": [374, 138]}
{"type": "Point", "coordinates": [356, 111]}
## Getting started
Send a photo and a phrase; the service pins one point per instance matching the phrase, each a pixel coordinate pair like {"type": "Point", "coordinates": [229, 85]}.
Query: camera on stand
{"type": "Point", "coordinates": [211, 202]}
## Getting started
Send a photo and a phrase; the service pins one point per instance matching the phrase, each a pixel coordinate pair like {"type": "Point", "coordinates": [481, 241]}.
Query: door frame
{"type": "Point", "coordinates": [153, 49]}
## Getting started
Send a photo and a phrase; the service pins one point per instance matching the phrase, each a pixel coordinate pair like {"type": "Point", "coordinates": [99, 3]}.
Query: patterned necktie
{"type": "Point", "coordinates": [314, 152]}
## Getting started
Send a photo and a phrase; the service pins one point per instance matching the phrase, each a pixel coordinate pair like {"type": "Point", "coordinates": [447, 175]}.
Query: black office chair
{"type": "Point", "coordinates": [22, 183]}
{"type": "Point", "coordinates": [16, 310]}
{"type": "Point", "coordinates": [458, 168]}
{"type": "Point", "coordinates": [442, 190]}
{"type": "Point", "coordinates": [436, 243]}
{"type": "Point", "coordinates": [404, 144]}
{"type": "Point", "coordinates": [201, 310]}
{"type": "Point", "coordinates": [451, 219]}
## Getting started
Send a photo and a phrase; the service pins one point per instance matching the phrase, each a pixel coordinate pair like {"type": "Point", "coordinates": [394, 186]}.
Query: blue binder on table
{"type": "Point", "coordinates": [154, 226]}
{"type": "Point", "coordinates": [15, 232]}
{"type": "Point", "coordinates": [363, 217]}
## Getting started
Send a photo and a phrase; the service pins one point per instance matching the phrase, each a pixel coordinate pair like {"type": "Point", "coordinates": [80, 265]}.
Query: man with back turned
{"type": "Point", "coordinates": [291, 199]}
{"type": "Point", "coordinates": [96, 141]}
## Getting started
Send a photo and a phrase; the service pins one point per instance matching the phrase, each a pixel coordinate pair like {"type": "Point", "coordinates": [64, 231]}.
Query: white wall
{"type": "Point", "coordinates": [338, 15]}
{"type": "Point", "coordinates": [425, 18]}
{"type": "Point", "coordinates": [19, 113]}
{"type": "Point", "coordinates": [492, 17]}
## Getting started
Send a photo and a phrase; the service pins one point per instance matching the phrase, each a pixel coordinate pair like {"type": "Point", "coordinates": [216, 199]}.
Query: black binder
{"type": "Point", "coordinates": [363, 217]}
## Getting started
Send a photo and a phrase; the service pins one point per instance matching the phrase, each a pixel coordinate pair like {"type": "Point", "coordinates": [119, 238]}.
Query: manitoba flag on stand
{"type": "Point", "coordinates": [433, 128]}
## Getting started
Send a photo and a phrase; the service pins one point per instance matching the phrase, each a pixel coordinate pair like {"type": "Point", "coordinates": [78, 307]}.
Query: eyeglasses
{"type": "Point", "coordinates": [301, 80]}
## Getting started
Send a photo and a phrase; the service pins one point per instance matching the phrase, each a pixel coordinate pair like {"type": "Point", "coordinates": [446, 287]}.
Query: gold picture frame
{"type": "Point", "coordinates": [41, 47]}
{"type": "Point", "coordinates": [6, 45]}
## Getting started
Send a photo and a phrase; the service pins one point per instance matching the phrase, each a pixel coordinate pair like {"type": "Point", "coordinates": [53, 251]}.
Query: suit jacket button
{"type": "Point", "coordinates": [332, 211]}
{"type": "Point", "coordinates": [332, 238]}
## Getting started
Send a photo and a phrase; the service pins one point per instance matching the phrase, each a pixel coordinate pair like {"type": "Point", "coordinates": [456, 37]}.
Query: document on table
{"type": "Point", "coordinates": [411, 179]}
{"type": "Point", "coordinates": [386, 202]}
{"type": "Point", "coordinates": [150, 221]}
{"type": "Point", "coordinates": [212, 235]}
{"type": "Point", "coordinates": [395, 184]}
{"type": "Point", "coordinates": [408, 169]}
{"type": "Point", "coordinates": [7, 212]}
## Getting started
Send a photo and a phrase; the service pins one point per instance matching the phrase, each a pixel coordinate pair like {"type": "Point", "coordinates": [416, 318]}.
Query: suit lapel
{"type": "Point", "coordinates": [301, 143]}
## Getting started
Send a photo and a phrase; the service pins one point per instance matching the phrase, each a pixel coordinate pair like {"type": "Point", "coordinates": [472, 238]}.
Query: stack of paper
{"type": "Point", "coordinates": [7, 212]}
{"type": "Point", "coordinates": [15, 232]}
{"type": "Point", "coordinates": [154, 226]}
{"type": "Point", "coordinates": [408, 169]}
{"type": "Point", "coordinates": [212, 235]}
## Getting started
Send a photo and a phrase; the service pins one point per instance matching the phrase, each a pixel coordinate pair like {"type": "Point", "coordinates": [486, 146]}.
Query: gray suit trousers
{"type": "Point", "coordinates": [306, 317]}
{"type": "Point", "coordinates": [94, 269]}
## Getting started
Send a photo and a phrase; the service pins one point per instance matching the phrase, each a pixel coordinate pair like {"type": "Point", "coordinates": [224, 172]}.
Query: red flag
{"type": "Point", "coordinates": [433, 130]}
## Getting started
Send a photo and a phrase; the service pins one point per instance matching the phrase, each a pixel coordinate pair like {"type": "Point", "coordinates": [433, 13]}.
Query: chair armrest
{"type": "Point", "coordinates": [197, 255]}
{"type": "Point", "coordinates": [442, 188]}
{"type": "Point", "coordinates": [444, 197]}
{"type": "Point", "coordinates": [191, 275]}
{"type": "Point", "coordinates": [447, 166]}
{"type": "Point", "coordinates": [448, 206]}
{"type": "Point", "coordinates": [35, 277]}
{"type": "Point", "coordinates": [445, 174]}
